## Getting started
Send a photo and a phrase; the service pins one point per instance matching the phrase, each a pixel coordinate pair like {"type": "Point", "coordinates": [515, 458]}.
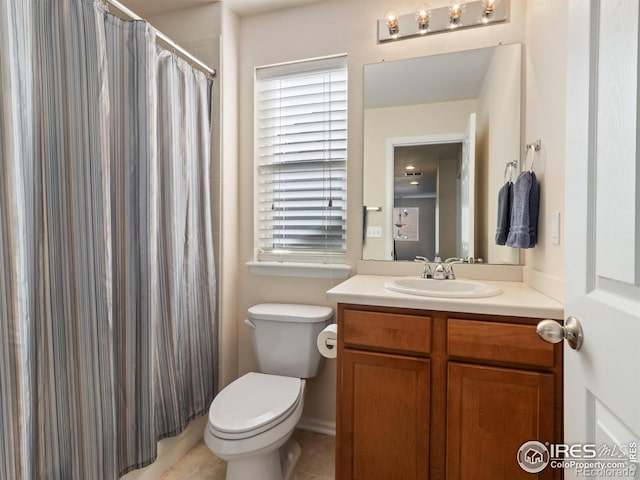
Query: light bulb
{"type": "Point", "coordinates": [488, 6]}
{"type": "Point", "coordinates": [422, 17]}
{"type": "Point", "coordinates": [390, 16]}
{"type": "Point", "coordinates": [391, 21]}
{"type": "Point", "coordinates": [455, 13]}
{"type": "Point", "coordinates": [455, 10]}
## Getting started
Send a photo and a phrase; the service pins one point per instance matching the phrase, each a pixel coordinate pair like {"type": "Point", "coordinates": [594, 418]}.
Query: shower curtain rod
{"type": "Point", "coordinates": [124, 10]}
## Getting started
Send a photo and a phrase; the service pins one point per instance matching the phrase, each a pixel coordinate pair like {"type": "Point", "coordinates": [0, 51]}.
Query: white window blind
{"type": "Point", "coordinates": [301, 120]}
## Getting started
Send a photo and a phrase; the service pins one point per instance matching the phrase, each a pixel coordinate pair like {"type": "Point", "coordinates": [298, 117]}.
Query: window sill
{"type": "Point", "coordinates": [309, 270]}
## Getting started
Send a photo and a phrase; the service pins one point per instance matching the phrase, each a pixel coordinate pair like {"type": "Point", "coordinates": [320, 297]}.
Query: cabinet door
{"type": "Point", "coordinates": [383, 417]}
{"type": "Point", "coordinates": [491, 412]}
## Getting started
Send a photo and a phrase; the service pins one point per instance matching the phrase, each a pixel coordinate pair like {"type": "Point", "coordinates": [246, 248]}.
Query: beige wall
{"type": "Point", "coordinates": [197, 29]}
{"type": "Point", "coordinates": [391, 122]}
{"type": "Point", "coordinates": [499, 140]}
{"type": "Point", "coordinates": [546, 65]}
{"type": "Point", "coordinates": [229, 194]}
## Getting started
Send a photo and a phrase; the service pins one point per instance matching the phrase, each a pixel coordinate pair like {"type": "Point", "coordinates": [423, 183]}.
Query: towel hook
{"type": "Point", "coordinates": [510, 167]}
{"type": "Point", "coordinates": [537, 145]}
{"type": "Point", "coordinates": [532, 147]}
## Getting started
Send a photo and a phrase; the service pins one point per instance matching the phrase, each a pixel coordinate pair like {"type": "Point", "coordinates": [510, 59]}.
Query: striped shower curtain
{"type": "Point", "coordinates": [108, 336]}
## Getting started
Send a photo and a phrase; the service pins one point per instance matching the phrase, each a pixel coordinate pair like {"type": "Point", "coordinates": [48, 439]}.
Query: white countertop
{"type": "Point", "coordinates": [517, 299]}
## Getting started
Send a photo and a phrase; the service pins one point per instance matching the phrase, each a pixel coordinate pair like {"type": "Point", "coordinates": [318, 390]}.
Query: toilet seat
{"type": "Point", "coordinates": [253, 404]}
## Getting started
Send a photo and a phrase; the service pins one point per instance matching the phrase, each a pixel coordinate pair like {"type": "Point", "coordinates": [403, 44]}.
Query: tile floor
{"type": "Point", "coordinates": [316, 461]}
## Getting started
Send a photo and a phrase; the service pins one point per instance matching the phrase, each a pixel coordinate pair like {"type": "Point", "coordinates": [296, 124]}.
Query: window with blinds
{"type": "Point", "coordinates": [301, 148]}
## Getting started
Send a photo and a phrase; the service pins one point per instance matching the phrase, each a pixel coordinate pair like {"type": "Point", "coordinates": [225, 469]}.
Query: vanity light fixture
{"type": "Point", "coordinates": [391, 20]}
{"type": "Point", "coordinates": [426, 21]}
{"type": "Point", "coordinates": [409, 167]}
{"type": "Point", "coordinates": [414, 184]}
{"type": "Point", "coordinates": [422, 17]}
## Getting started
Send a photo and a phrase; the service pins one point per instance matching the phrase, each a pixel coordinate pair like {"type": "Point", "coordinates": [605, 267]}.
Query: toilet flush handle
{"type": "Point", "coordinates": [249, 323]}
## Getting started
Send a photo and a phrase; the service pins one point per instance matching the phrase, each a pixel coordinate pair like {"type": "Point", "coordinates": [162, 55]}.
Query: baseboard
{"type": "Point", "coordinates": [550, 285]}
{"type": "Point", "coordinates": [317, 425]}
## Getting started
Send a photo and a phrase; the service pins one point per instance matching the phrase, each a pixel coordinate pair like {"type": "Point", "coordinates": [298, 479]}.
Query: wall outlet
{"type": "Point", "coordinates": [555, 228]}
{"type": "Point", "coordinates": [374, 232]}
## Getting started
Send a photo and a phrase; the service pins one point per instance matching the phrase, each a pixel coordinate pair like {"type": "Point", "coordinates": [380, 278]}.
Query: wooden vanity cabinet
{"type": "Point", "coordinates": [384, 394]}
{"type": "Point", "coordinates": [383, 401]}
{"type": "Point", "coordinates": [440, 395]}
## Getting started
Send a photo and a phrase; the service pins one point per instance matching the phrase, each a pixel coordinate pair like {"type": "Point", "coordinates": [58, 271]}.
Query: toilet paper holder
{"type": "Point", "coordinates": [330, 343]}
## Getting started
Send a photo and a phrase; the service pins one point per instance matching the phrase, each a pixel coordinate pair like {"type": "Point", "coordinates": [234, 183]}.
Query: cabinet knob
{"type": "Point", "coordinates": [552, 332]}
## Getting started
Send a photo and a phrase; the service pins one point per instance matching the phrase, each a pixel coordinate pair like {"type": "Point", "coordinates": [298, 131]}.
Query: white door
{"type": "Point", "coordinates": [468, 189]}
{"type": "Point", "coordinates": [602, 273]}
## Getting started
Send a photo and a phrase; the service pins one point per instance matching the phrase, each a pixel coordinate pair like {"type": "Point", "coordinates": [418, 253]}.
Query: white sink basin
{"type": "Point", "coordinates": [428, 287]}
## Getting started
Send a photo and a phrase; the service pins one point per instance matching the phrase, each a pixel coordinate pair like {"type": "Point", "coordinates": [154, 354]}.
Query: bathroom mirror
{"type": "Point", "coordinates": [438, 134]}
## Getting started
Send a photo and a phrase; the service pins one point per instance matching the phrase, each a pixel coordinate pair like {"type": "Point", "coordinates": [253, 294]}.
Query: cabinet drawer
{"type": "Point", "coordinates": [502, 342]}
{"type": "Point", "coordinates": [388, 331]}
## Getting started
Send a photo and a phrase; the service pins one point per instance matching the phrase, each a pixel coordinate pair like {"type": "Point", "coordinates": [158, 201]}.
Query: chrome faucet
{"type": "Point", "coordinates": [439, 272]}
{"type": "Point", "coordinates": [426, 270]}
{"type": "Point", "coordinates": [444, 270]}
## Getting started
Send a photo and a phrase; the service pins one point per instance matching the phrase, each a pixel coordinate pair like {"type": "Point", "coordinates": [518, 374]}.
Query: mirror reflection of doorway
{"type": "Point", "coordinates": [427, 181]}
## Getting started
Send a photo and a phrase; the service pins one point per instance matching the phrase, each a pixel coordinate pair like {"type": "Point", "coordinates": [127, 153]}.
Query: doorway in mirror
{"type": "Point", "coordinates": [427, 186]}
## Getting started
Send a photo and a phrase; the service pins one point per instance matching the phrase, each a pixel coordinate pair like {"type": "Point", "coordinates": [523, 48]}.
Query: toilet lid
{"type": "Point", "coordinates": [285, 312]}
{"type": "Point", "coordinates": [252, 402]}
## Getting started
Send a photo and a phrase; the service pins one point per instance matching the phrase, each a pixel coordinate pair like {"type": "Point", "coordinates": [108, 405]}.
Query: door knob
{"type": "Point", "coordinates": [552, 332]}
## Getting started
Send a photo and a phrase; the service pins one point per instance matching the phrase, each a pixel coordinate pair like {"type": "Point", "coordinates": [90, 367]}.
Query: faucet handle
{"type": "Point", "coordinates": [448, 271]}
{"type": "Point", "coordinates": [426, 271]}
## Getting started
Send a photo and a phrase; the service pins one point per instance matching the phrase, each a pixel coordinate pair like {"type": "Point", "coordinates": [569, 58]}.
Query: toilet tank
{"type": "Point", "coordinates": [284, 337]}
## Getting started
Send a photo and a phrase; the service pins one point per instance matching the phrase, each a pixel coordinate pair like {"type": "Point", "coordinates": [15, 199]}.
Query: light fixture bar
{"type": "Point", "coordinates": [473, 15]}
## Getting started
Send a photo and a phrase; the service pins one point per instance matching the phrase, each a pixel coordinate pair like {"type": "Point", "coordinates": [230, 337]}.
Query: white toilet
{"type": "Point", "coordinates": [252, 419]}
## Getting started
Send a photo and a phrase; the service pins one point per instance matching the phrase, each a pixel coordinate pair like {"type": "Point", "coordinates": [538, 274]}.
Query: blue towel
{"type": "Point", "coordinates": [505, 198]}
{"type": "Point", "coordinates": [523, 229]}
{"type": "Point", "coordinates": [534, 209]}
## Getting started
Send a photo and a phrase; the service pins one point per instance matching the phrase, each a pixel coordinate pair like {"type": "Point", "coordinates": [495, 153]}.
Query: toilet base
{"type": "Point", "coordinates": [289, 455]}
{"type": "Point", "coordinates": [275, 465]}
